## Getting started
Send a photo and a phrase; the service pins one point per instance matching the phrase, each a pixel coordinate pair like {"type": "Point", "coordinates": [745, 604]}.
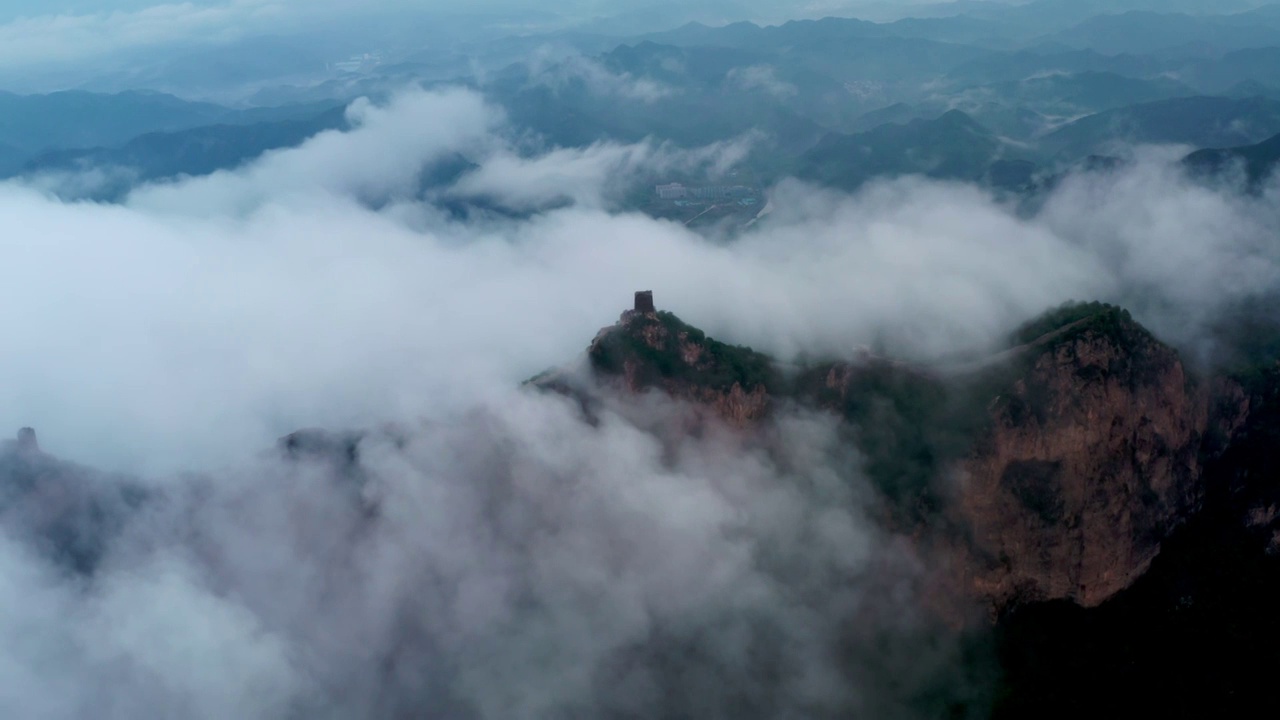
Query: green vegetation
{"type": "Point", "coordinates": [1246, 341]}
{"type": "Point", "coordinates": [159, 134]}
{"type": "Point", "coordinates": [719, 367]}
{"type": "Point", "coordinates": [1139, 357]}
{"type": "Point", "coordinates": [195, 151]}
{"type": "Point", "coordinates": [951, 147]}
{"type": "Point", "coordinates": [1101, 316]}
{"type": "Point", "coordinates": [910, 425]}
{"type": "Point", "coordinates": [907, 424]}
{"type": "Point", "coordinates": [1257, 162]}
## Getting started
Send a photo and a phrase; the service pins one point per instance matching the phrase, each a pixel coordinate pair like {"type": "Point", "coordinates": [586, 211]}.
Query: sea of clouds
{"type": "Point", "coordinates": [500, 556]}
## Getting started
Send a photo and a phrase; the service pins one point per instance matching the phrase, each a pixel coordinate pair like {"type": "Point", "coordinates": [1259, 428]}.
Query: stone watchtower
{"type": "Point", "coordinates": [27, 440]}
{"type": "Point", "coordinates": [644, 301]}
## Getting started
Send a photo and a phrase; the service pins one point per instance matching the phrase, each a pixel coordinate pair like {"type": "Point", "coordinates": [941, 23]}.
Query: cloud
{"type": "Point", "coordinates": [314, 287]}
{"type": "Point", "coordinates": [516, 560]}
{"type": "Point", "coordinates": [382, 159]}
{"type": "Point", "coordinates": [596, 176]}
{"type": "Point", "coordinates": [497, 555]}
{"type": "Point", "coordinates": [560, 71]}
{"type": "Point", "coordinates": [85, 182]}
{"type": "Point", "coordinates": [1181, 253]}
{"type": "Point", "coordinates": [762, 77]}
{"type": "Point", "coordinates": [149, 641]}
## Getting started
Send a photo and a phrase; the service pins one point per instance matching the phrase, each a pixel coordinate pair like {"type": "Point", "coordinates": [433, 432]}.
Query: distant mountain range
{"type": "Point", "coordinates": [151, 134]}
{"type": "Point", "coordinates": [1164, 32]}
{"type": "Point", "coordinates": [979, 91]}
{"type": "Point", "coordinates": [1256, 163]}
{"type": "Point", "coordinates": [1197, 121]}
{"type": "Point", "coordinates": [197, 151]}
{"type": "Point", "coordinates": [31, 124]}
{"type": "Point", "coordinates": [702, 96]}
{"type": "Point", "coordinates": [1026, 109]}
{"type": "Point", "coordinates": [689, 96]}
{"type": "Point", "coordinates": [956, 146]}
{"type": "Point", "coordinates": [951, 147]}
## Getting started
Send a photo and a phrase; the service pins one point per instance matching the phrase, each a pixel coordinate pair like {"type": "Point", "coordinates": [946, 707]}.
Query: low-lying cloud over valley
{"type": "Point", "coordinates": [320, 286]}
{"type": "Point", "coordinates": [492, 554]}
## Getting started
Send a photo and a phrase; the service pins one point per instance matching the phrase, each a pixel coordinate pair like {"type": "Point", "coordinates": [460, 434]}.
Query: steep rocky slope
{"type": "Point", "coordinates": [1197, 635]}
{"type": "Point", "coordinates": [1054, 471]}
{"type": "Point", "coordinates": [1119, 514]}
{"type": "Point", "coordinates": [1091, 460]}
{"type": "Point", "coordinates": [648, 349]}
{"type": "Point", "coordinates": [66, 512]}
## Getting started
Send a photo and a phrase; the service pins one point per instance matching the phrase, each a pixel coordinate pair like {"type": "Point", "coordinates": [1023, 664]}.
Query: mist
{"type": "Point", "coordinates": [490, 552]}
{"type": "Point", "coordinates": [316, 287]}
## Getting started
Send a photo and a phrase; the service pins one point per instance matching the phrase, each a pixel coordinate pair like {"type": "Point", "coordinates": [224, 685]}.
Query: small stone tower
{"type": "Point", "coordinates": [644, 301]}
{"type": "Point", "coordinates": [27, 440]}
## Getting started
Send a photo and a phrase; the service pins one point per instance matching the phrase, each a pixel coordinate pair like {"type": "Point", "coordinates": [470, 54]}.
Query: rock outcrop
{"type": "Point", "coordinates": [65, 511]}
{"type": "Point", "coordinates": [1091, 459]}
{"type": "Point", "coordinates": [648, 349]}
{"type": "Point", "coordinates": [1055, 470]}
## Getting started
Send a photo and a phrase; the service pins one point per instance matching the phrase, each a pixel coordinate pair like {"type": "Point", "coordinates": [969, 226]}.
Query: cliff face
{"type": "Point", "coordinates": [655, 350]}
{"type": "Point", "coordinates": [66, 512]}
{"type": "Point", "coordinates": [908, 425]}
{"type": "Point", "coordinates": [1055, 471]}
{"type": "Point", "coordinates": [1091, 459]}
{"type": "Point", "coordinates": [1246, 473]}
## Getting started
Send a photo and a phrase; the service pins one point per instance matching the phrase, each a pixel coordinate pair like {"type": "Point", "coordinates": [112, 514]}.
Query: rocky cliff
{"type": "Point", "coordinates": [1091, 459]}
{"type": "Point", "coordinates": [652, 350]}
{"type": "Point", "coordinates": [68, 513]}
{"type": "Point", "coordinates": [1055, 469]}
{"type": "Point", "coordinates": [1121, 514]}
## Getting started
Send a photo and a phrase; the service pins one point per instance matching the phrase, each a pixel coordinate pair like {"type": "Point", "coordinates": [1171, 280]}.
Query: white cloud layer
{"type": "Point", "coordinates": [204, 315]}
{"type": "Point", "coordinates": [514, 562]}
{"type": "Point", "coordinates": [507, 559]}
{"type": "Point", "coordinates": [557, 71]}
{"type": "Point", "coordinates": [762, 77]}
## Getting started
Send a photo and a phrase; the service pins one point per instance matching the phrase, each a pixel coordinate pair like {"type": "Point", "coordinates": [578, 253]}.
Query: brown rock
{"type": "Point", "coordinates": [1055, 470]}
{"type": "Point", "coordinates": [656, 351]}
{"type": "Point", "coordinates": [1091, 460]}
